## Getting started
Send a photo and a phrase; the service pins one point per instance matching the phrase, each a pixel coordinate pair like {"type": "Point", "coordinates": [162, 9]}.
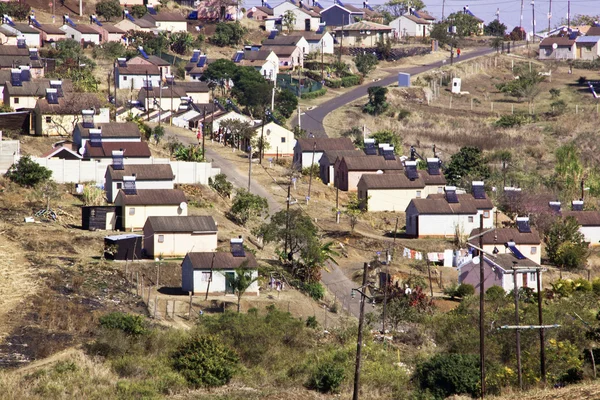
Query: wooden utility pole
{"type": "Point", "coordinates": [361, 320]}
{"type": "Point", "coordinates": [517, 331]}
{"type": "Point", "coordinates": [521, 20]}
{"type": "Point", "coordinates": [533, 20]}
{"type": "Point", "coordinates": [261, 149]}
{"type": "Point", "coordinates": [549, 16]}
{"type": "Point", "coordinates": [212, 262]}
{"type": "Point", "coordinates": [538, 276]}
{"type": "Point", "coordinates": [249, 166]}
{"type": "Point", "coordinates": [481, 309]}
{"type": "Point", "coordinates": [311, 171]}
{"type": "Point", "coordinates": [287, 218]}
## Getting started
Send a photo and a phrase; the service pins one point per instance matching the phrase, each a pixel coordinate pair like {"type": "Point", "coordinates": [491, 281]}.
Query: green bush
{"type": "Point", "coordinates": [351, 80]}
{"type": "Point", "coordinates": [327, 377]}
{"type": "Point", "coordinates": [314, 290]}
{"type": "Point", "coordinates": [582, 285]}
{"type": "Point", "coordinates": [596, 286]}
{"type": "Point", "coordinates": [403, 114]}
{"type": "Point", "coordinates": [449, 374]}
{"type": "Point", "coordinates": [205, 361]}
{"type": "Point", "coordinates": [512, 120]}
{"type": "Point", "coordinates": [313, 169]}
{"type": "Point", "coordinates": [558, 107]}
{"type": "Point", "coordinates": [464, 290]}
{"type": "Point", "coordinates": [228, 34]}
{"type": "Point", "coordinates": [27, 172]}
{"type": "Point", "coordinates": [311, 322]}
{"type": "Point", "coordinates": [221, 185]}
{"type": "Point", "coordinates": [132, 325]}
{"type": "Point", "coordinates": [333, 83]}
{"type": "Point", "coordinates": [315, 94]}
{"type": "Point", "coordinates": [495, 293]}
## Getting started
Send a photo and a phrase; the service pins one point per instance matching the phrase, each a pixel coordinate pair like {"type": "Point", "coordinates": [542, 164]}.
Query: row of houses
{"type": "Point", "coordinates": [570, 44]}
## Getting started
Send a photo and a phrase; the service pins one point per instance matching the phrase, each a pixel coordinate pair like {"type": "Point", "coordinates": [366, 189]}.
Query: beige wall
{"type": "Point", "coordinates": [192, 280]}
{"type": "Point", "coordinates": [172, 26]}
{"type": "Point", "coordinates": [60, 125]}
{"type": "Point", "coordinates": [141, 213]}
{"type": "Point", "coordinates": [177, 244]}
{"type": "Point", "coordinates": [357, 39]}
{"type": "Point", "coordinates": [389, 199]}
{"type": "Point", "coordinates": [24, 102]}
{"type": "Point", "coordinates": [433, 189]}
{"type": "Point", "coordinates": [531, 251]}
{"type": "Point", "coordinates": [354, 177]}
{"type": "Point", "coordinates": [201, 98]}
{"type": "Point", "coordinates": [591, 234]}
{"type": "Point", "coordinates": [274, 134]}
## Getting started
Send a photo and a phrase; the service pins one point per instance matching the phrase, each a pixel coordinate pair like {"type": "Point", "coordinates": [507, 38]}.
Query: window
{"type": "Point", "coordinates": [486, 214]}
{"type": "Point", "coordinates": [16, 100]}
{"type": "Point", "coordinates": [282, 139]}
{"type": "Point", "coordinates": [119, 185]}
{"type": "Point", "coordinates": [161, 238]}
{"type": "Point", "coordinates": [532, 276]}
{"type": "Point", "coordinates": [72, 36]}
{"type": "Point", "coordinates": [533, 250]}
{"type": "Point", "coordinates": [204, 276]}
{"type": "Point", "coordinates": [48, 120]}
{"type": "Point", "coordinates": [418, 194]}
{"type": "Point", "coordinates": [470, 218]}
{"type": "Point", "coordinates": [132, 211]}
{"type": "Point", "coordinates": [124, 77]}
{"type": "Point", "coordinates": [440, 190]}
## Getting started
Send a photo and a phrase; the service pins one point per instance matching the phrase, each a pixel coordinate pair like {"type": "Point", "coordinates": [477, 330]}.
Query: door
{"type": "Point", "coordinates": [525, 280]}
{"type": "Point", "coordinates": [229, 277]}
{"type": "Point", "coordinates": [307, 24]}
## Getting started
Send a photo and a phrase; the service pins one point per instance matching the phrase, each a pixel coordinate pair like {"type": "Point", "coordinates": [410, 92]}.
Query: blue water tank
{"type": "Point", "coordinates": [403, 79]}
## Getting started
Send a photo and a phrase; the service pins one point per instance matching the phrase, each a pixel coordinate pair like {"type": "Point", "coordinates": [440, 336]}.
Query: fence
{"type": "Point", "coordinates": [303, 86]}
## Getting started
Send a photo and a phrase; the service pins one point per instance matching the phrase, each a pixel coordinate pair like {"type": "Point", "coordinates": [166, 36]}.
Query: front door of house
{"type": "Point", "coordinates": [525, 280]}
{"type": "Point", "coordinates": [229, 277]}
{"type": "Point", "coordinates": [307, 24]}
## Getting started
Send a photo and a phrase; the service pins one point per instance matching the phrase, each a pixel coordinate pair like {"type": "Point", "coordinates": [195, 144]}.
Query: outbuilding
{"type": "Point", "coordinates": [147, 176]}
{"type": "Point", "coordinates": [176, 236]}
{"type": "Point", "coordinates": [123, 247]}
{"type": "Point", "coordinates": [140, 204]}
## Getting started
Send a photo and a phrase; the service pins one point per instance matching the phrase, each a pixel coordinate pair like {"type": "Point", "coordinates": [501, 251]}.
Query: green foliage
{"type": "Point", "coordinates": [466, 25]}
{"type": "Point", "coordinates": [15, 9]}
{"type": "Point", "coordinates": [565, 245]}
{"type": "Point", "coordinates": [247, 207]}
{"type": "Point", "coordinates": [312, 170]}
{"type": "Point", "coordinates": [205, 361]}
{"type": "Point", "coordinates": [157, 133]}
{"type": "Point", "coordinates": [466, 165]}
{"type": "Point", "coordinates": [333, 83]}
{"type": "Point", "coordinates": [109, 9]}
{"type": "Point", "coordinates": [353, 210]}
{"type": "Point", "coordinates": [596, 286]}
{"type": "Point", "coordinates": [449, 374]}
{"type": "Point", "coordinates": [241, 282]}
{"type": "Point", "coordinates": [314, 94]}
{"type": "Point", "coordinates": [496, 43]}
{"type": "Point", "coordinates": [219, 70]}
{"type": "Point", "coordinates": [439, 32]}
{"type": "Point", "coordinates": [286, 102]}
{"type": "Point", "coordinates": [181, 42]}
{"type": "Point", "coordinates": [398, 7]}
{"type": "Point", "coordinates": [109, 51]}
{"type": "Point", "coordinates": [153, 44]}
{"type": "Point", "coordinates": [558, 107]}
{"type": "Point", "coordinates": [399, 310]}
{"type": "Point", "coordinates": [403, 114]}
{"type": "Point", "coordinates": [495, 28]}
{"type": "Point", "coordinates": [351, 80]}
{"type": "Point", "coordinates": [311, 322]}
{"type": "Point", "coordinates": [27, 172]}
{"type": "Point", "coordinates": [356, 134]}
{"type": "Point", "coordinates": [365, 63]}
{"type": "Point", "coordinates": [465, 290]}
{"type": "Point", "coordinates": [389, 137]}
{"type": "Point", "coordinates": [554, 93]}
{"type": "Point", "coordinates": [327, 377]}
{"type": "Point", "coordinates": [315, 290]}
{"type": "Point", "coordinates": [377, 100]}
{"type": "Point", "coordinates": [221, 184]}
{"type": "Point", "coordinates": [251, 89]}
{"type": "Point", "coordinates": [191, 153]}
{"type": "Point", "coordinates": [495, 293]}
{"type": "Point", "coordinates": [130, 324]}
{"type": "Point", "coordinates": [288, 20]}
{"type": "Point", "coordinates": [228, 34]}
{"type": "Point", "coordinates": [512, 120]}
{"type": "Point", "coordinates": [526, 87]}
{"type": "Point", "coordinates": [138, 11]}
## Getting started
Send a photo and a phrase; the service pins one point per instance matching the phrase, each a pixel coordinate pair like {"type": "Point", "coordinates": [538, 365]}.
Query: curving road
{"type": "Point", "coordinates": [312, 121]}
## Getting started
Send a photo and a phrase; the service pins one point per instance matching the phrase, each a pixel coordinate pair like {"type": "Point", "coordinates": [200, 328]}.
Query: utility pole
{"type": "Point", "coordinates": [385, 295]}
{"type": "Point", "coordinates": [533, 20]}
{"type": "Point", "coordinates": [311, 171]}
{"type": "Point", "coordinates": [80, 8]}
{"type": "Point", "coordinates": [549, 15]}
{"type": "Point", "coordinates": [538, 276]}
{"type": "Point", "coordinates": [147, 97]}
{"type": "Point", "coordinates": [361, 319]}
{"type": "Point", "coordinates": [481, 309]}
{"type": "Point", "coordinates": [342, 40]}
{"type": "Point", "coordinates": [517, 331]}
{"type": "Point", "coordinates": [299, 119]}
{"type": "Point", "coordinates": [212, 263]}
{"type": "Point", "coordinates": [322, 66]}
{"type": "Point", "coordinates": [582, 188]}
{"type": "Point", "coordinates": [171, 116]}
{"type": "Point", "coordinates": [337, 198]}
{"type": "Point", "coordinates": [249, 166]}
{"type": "Point", "coordinates": [568, 15]}
{"type": "Point", "coordinates": [287, 218]}
{"type": "Point", "coordinates": [498, 14]}
{"type": "Point", "coordinates": [160, 101]}
{"type": "Point", "coordinates": [443, 7]}
{"type": "Point", "coordinates": [203, 132]}
{"type": "Point", "coordinates": [521, 23]}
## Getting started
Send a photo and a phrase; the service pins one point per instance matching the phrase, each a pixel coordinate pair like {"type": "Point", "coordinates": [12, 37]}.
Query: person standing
{"type": "Point", "coordinates": [457, 53]}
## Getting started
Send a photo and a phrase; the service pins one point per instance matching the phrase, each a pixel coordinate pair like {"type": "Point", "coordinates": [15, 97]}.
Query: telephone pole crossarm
{"type": "Point", "coordinates": [521, 327]}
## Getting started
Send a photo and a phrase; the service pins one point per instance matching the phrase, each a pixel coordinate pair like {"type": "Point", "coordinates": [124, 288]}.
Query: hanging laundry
{"type": "Point", "coordinates": [406, 253]}
{"type": "Point", "coordinates": [433, 257]}
{"type": "Point", "coordinates": [412, 254]}
{"type": "Point", "coordinates": [418, 255]}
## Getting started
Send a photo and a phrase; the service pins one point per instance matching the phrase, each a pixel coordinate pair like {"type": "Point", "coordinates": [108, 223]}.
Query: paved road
{"type": "Point", "coordinates": [312, 121]}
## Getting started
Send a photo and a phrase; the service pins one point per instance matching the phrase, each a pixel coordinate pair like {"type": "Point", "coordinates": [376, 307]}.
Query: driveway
{"type": "Point", "coordinates": [312, 121]}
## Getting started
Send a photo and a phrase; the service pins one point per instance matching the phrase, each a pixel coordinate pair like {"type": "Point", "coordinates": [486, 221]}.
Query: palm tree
{"type": "Point", "coordinates": [242, 281]}
{"type": "Point", "coordinates": [315, 257]}
{"type": "Point", "coordinates": [181, 42]}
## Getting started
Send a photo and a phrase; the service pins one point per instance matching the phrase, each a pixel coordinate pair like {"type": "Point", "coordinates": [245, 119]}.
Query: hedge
{"type": "Point", "coordinates": [351, 80]}
{"type": "Point", "coordinates": [333, 83]}
{"type": "Point", "coordinates": [315, 94]}
{"type": "Point", "coordinates": [314, 75]}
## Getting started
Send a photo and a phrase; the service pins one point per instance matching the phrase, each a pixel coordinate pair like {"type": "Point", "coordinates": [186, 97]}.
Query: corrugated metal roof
{"type": "Point", "coordinates": [196, 223]}
{"type": "Point", "coordinates": [152, 197]}
{"type": "Point", "coordinates": [142, 172]}
{"type": "Point", "coordinates": [131, 149]}
{"type": "Point", "coordinates": [503, 235]}
{"type": "Point", "coordinates": [332, 155]}
{"type": "Point", "coordinates": [588, 39]}
{"type": "Point", "coordinates": [222, 260]}
{"type": "Point", "coordinates": [560, 41]}
{"type": "Point", "coordinates": [365, 26]}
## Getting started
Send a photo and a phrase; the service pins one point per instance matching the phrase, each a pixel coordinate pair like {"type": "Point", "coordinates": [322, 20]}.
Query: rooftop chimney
{"type": "Point", "coordinates": [451, 196]}
{"type": "Point", "coordinates": [523, 224]}
{"type": "Point", "coordinates": [237, 247]}
{"type": "Point", "coordinates": [87, 118]}
{"type": "Point", "coordinates": [478, 189]}
{"type": "Point", "coordinates": [577, 205]}
{"type": "Point", "coordinates": [433, 166]}
{"type": "Point", "coordinates": [554, 206]}
{"type": "Point", "coordinates": [410, 168]}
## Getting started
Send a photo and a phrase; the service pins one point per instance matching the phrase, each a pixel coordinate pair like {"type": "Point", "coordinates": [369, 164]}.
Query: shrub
{"type": "Point", "coordinates": [327, 377]}
{"type": "Point", "coordinates": [403, 114]}
{"type": "Point", "coordinates": [333, 83]}
{"type": "Point", "coordinates": [205, 361]}
{"type": "Point", "coordinates": [596, 286]}
{"type": "Point", "coordinates": [314, 95]}
{"type": "Point", "coordinates": [228, 34]}
{"type": "Point", "coordinates": [554, 93]}
{"type": "Point", "coordinates": [313, 169]}
{"type": "Point", "coordinates": [132, 325]}
{"type": "Point", "coordinates": [27, 172]}
{"type": "Point", "coordinates": [465, 290]}
{"type": "Point", "coordinates": [351, 80]}
{"type": "Point", "coordinates": [314, 290]}
{"type": "Point", "coordinates": [221, 185]}
{"type": "Point", "coordinates": [311, 322]}
{"type": "Point", "coordinates": [582, 285]}
{"type": "Point", "coordinates": [511, 120]}
{"type": "Point", "coordinates": [558, 107]}
{"type": "Point", "coordinates": [247, 206]}
{"type": "Point", "coordinates": [495, 293]}
{"type": "Point", "coordinates": [138, 11]}
{"type": "Point", "coordinates": [448, 374]}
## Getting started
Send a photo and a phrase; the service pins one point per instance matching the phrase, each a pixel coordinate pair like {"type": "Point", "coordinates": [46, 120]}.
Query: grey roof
{"type": "Point", "coordinates": [507, 260]}
{"type": "Point", "coordinates": [584, 218]}
{"type": "Point", "coordinates": [113, 130]}
{"type": "Point", "coordinates": [36, 88]}
{"type": "Point", "coordinates": [51, 29]}
{"type": "Point", "coordinates": [222, 260]}
{"type": "Point", "coordinates": [195, 224]}
{"type": "Point", "coordinates": [437, 204]}
{"type": "Point", "coordinates": [371, 163]}
{"type": "Point", "coordinates": [131, 149]}
{"type": "Point", "coordinates": [10, 50]}
{"type": "Point", "coordinates": [145, 22]}
{"type": "Point", "coordinates": [500, 236]}
{"type": "Point", "coordinates": [193, 87]}
{"type": "Point", "coordinates": [7, 32]}
{"type": "Point", "coordinates": [588, 39]}
{"type": "Point", "coordinates": [283, 41]}
{"type": "Point", "coordinates": [85, 29]}
{"type": "Point", "coordinates": [138, 69]}
{"type": "Point", "coordinates": [432, 179]}
{"type": "Point", "coordinates": [324, 144]}
{"type": "Point", "coordinates": [260, 55]}
{"type": "Point", "coordinates": [175, 92]}
{"type": "Point", "coordinates": [390, 181]}
{"type": "Point", "coordinates": [142, 172]}
{"type": "Point", "coordinates": [152, 197]}
{"type": "Point", "coordinates": [25, 28]}
{"type": "Point", "coordinates": [10, 61]}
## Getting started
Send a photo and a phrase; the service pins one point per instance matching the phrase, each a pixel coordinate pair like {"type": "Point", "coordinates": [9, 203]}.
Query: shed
{"type": "Point", "coordinates": [177, 235]}
{"type": "Point", "coordinates": [98, 218]}
{"type": "Point", "coordinates": [123, 247]}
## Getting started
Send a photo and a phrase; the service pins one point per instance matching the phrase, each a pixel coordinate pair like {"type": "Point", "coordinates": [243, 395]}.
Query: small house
{"type": "Point", "coordinates": [265, 61]}
{"type": "Point", "coordinates": [147, 176]}
{"type": "Point", "coordinates": [12, 57]}
{"type": "Point", "coordinates": [137, 205]}
{"type": "Point", "coordinates": [136, 76]}
{"type": "Point", "coordinates": [225, 116]}
{"type": "Point", "coordinates": [164, 67]}
{"type": "Point", "coordinates": [306, 147]}
{"type": "Point", "coordinates": [62, 151]}
{"type": "Point", "coordinates": [448, 214]}
{"type": "Point", "coordinates": [129, 23]}
{"type": "Point", "coordinates": [123, 247]}
{"type": "Point", "coordinates": [167, 98]}
{"type": "Point", "coordinates": [526, 238]}
{"type": "Point", "coordinates": [413, 25]}
{"type": "Point", "coordinates": [81, 33]}
{"type": "Point", "coordinates": [499, 270]}
{"type": "Point", "coordinates": [50, 34]}
{"type": "Point", "coordinates": [25, 31]}
{"type": "Point", "coordinates": [99, 218]}
{"type": "Point", "coordinates": [587, 47]}
{"type": "Point", "coordinates": [306, 19]}
{"type": "Point", "coordinates": [319, 42]}
{"type": "Point", "coordinates": [213, 273]}
{"type": "Point", "coordinates": [108, 131]}
{"type": "Point", "coordinates": [8, 37]}
{"type": "Point", "coordinates": [557, 48]}
{"type": "Point", "coordinates": [131, 151]}
{"type": "Point", "coordinates": [327, 163]}
{"type": "Point", "coordinates": [259, 13]}
{"type": "Point", "coordinates": [23, 93]}
{"type": "Point", "coordinates": [289, 57]}
{"type": "Point", "coordinates": [198, 92]}
{"type": "Point", "coordinates": [337, 15]}
{"type": "Point", "coordinates": [55, 115]}
{"type": "Point", "coordinates": [349, 170]}
{"type": "Point", "coordinates": [109, 32]}
{"type": "Point", "coordinates": [167, 21]}
{"type": "Point", "coordinates": [177, 236]}
{"type": "Point", "coordinates": [292, 41]}
{"type": "Point", "coordinates": [279, 141]}
{"type": "Point", "coordinates": [390, 192]}
{"type": "Point", "coordinates": [363, 33]}
{"type": "Point", "coordinates": [589, 221]}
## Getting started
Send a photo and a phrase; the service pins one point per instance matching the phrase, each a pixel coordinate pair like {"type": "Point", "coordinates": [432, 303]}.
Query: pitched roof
{"type": "Point", "coordinates": [142, 172]}
{"type": "Point", "coordinates": [36, 88]}
{"type": "Point", "coordinates": [164, 16]}
{"type": "Point", "coordinates": [222, 260]}
{"type": "Point", "coordinates": [145, 22]}
{"type": "Point", "coordinates": [150, 197]}
{"type": "Point", "coordinates": [174, 91]}
{"type": "Point", "coordinates": [324, 144]}
{"type": "Point", "coordinates": [110, 28]}
{"type": "Point", "coordinates": [7, 32]}
{"type": "Point", "coordinates": [390, 181]}
{"type": "Point", "coordinates": [10, 50]}
{"type": "Point", "coordinates": [366, 26]}
{"type": "Point", "coordinates": [480, 204]}
{"type": "Point", "coordinates": [260, 55]}
{"type": "Point", "coordinates": [506, 261]}
{"type": "Point", "coordinates": [432, 179]}
{"type": "Point", "coordinates": [500, 236]}
{"type": "Point", "coordinates": [584, 218]}
{"type": "Point", "coordinates": [284, 51]}
{"type": "Point", "coordinates": [343, 8]}
{"type": "Point", "coordinates": [138, 69]}
{"type": "Point", "coordinates": [71, 104]}
{"type": "Point", "coordinates": [193, 87]}
{"type": "Point", "coordinates": [416, 19]}
{"type": "Point", "coordinates": [131, 149]}
{"type": "Point", "coordinates": [159, 62]}
{"type": "Point", "coordinates": [196, 224]}
{"type": "Point", "coordinates": [587, 39]}
{"type": "Point", "coordinates": [59, 149]}
{"type": "Point", "coordinates": [9, 61]}
{"type": "Point", "coordinates": [83, 28]}
{"type": "Point", "coordinates": [437, 204]}
{"type": "Point", "coordinates": [310, 36]}
{"type": "Point", "coordinates": [332, 155]}
{"type": "Point", "coordinates": [593, 31]}
{"type": "Point", "coordinates": [281, 40]}
{"type": "Point", "coordinates": [113, 130]}
{"type": "Point", "coordinates": [24, 28]}
{"type": "Point", "coordinates": [560, 41]}
{"type": "Point", "coordinates": [371, 163]}
{"type": "Point", "coordinates": [266, 10]}
{"type": "Point", "coordinates": [51, 29]}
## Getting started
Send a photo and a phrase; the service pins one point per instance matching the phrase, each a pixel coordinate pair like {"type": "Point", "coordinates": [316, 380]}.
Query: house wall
{"type": "Point", "coordinates": [199, 98]}
{"type": "Point", "coordinates": [530, 281]}
{"type": "Point", "coordinates": [349, 179]}
{"type": "Point", "coordinates": [127, 25]}
{"type": "Point", "coordinates": [177, 244]}
{"type": "Point", "coordinates": [442, 225]}
{"type": "Point", "coordinates": [355, 38]}
{"type": "Point", "coordinates": [23, 102]}
{"type": "Point", "coordinates": [469, 274]}
{"type": "Point", "coordinates": [295, 59]}
{"type": "Point", "coordinates": [304, 159]}
{"type": "Point", "coordinates": [587, 51]}
{"type": "Point", "coordinates": [326, 171]}
{"type": "Point", "coordinates": [561, 53]}
{"type": "Point", "coordinates": [337, 16]}
{"type": "Point", "coordinates": [56, 125]}
{"type": "Point", "coordinates": [591, 234]}
{"type": "Point", "coordinates": [257, 15]}
{"type": "Point", "coordinates": [192, 282]}
{"type": "Point", "coordinates": [8, 40]}
{"type": "Point", "coordinates": [74, 34]}
{"type": "Point", "coordinates": [531, 251]}
{"type": "Point", "coordinates": [326, 43]}
{"type": "Point", "coordinates": [141, 213]}
{"type": "Point", "coordinates": [134, 81]}
{"type": "Point", "coordinates": [172, 26]}
{"type": "Point", "coordinates": [388, 199]}
{"type": "Point", "coordinates": [166, 103]}
{"type": "Point", "coordinates": [281, 140]}
{"type": "Point", "coordinates": [232, 115]}
{"type": "Point", "coordinates": [112, 187]}
{"type": "Point", "coordinates": [432, 189]}
{"type": "Point", "coordinates": [165, 70]}
{"type": "Point", "coordinates": [405, 26]}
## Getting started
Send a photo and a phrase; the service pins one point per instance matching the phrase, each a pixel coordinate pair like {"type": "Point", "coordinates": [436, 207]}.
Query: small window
{"type": "Point", "coordinates": [119, 185]}
{"type": "Point", "coordinates": [92, 213]}
{"type": "Point", "coordinates": [205, 276]}
{"type": "Point", "coordinates": [440, 189]}
{"type": "Point", "coordinates": [418, 194]}
{"type": "Point", "coordinates": [471, 218]}
{"type": "Point", "coordinates": [132, 211]}
{"type": "Point", "coordinates": [486, 214]}
{"type": "Point", "coordinates": [532, 276]}
{"type": "Point", "coordinates": [16, 100]}
{"type": "Point", "coordinates": [124, 77]}
{"type": "Point", "coordinates": [282, 139]}
{"type": "Point", "coordinates": [48, 120]}
{"type": "Point", "coordinates": [161, 238]}
{"type": "Point", "coordinates": [533, 250]}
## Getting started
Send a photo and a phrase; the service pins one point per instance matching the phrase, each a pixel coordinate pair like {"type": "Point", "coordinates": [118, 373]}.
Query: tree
{"type": "Point", "coordinates": [241, 282]}
{"type": "Point", "coordinates": [353, 211]}
{"type": "Point", "coordinates": [157, 133]}
{"type": "Point", "coordinates": [247, 207]}
{"type": "Point", "coordinates": [286, 102]}
{"type": "Point", "coordinates": [109, 9]}
{"type": "Point", "coordinates": [152, 44]}
{"type": "Point", "coordinates": [377, 100]}
{"type": "Point", "coordinates": [47, 191]}
{"type": "Point", "coordinates": [439, 32]}
{"type": "Point", "coordinates": [388, 137]}
{"type": "Point", "coordinates": [219, 70]}
{"type": "Point", "coordinates": [447, 374]}
{"type": "Point", "coordinates": [495, 28]}
{"type": "Point", "coordinates": [517, 33]}
{"type": "Point", "coordinates": [27, 172]}
{"type": "Point", "coordinates": [315, 256]}
{"type": "Point", "coordinates": [16, 9]}
{"type": "Point", "coordinates": [398, 7]}
{"type": "Point", "coordinates": [188, 153]}
{"type": "Point", "coordinates": [228, 34]}
{"type": "Point", "coordinates": [466, 165]}
{"type": "Point", "coordinates": [466, 25]}
{"type": "Point", "coordinates": [565, 245]}
{"type": "Point", "coordinates": [205, 361]}
{"type": "Point", "coordinates": [251, 90]}
{"type": "Point", "coordinates": [138, 11]}
{"type": "Point", "coordinates": [181, 42]}
{"type": "Point", "coordinates": [527, 85]}
{"type": "Point", "coordinates": [582, 19]}
{"type": "Point", "coordinates": [238, 131]}
{"type": "Point", "coordinates": [289, 20]}
{"type": "Point", "coordinates": [300, 231]}
{"type": "Point", "coordinates": [365, 63]}
{"type": "Point", "coordinates": [496, 43]}
{"type": "Point", "coordinates": [221, 184]}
